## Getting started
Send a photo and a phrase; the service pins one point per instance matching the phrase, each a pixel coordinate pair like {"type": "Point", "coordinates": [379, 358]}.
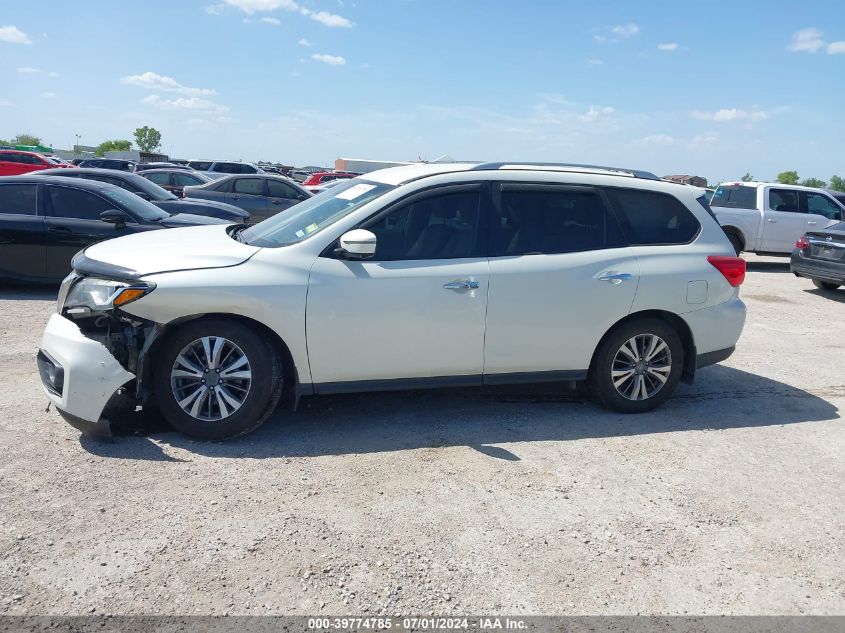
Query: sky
{"type": "Point", "coordinates": [715, 89]}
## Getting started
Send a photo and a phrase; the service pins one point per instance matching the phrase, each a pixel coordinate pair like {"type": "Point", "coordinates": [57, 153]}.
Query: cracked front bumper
{"type": "Point", "coordinates": [79, 375]}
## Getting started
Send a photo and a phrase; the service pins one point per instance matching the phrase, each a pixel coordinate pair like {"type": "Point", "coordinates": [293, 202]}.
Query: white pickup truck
{"type": "Point", "coordinates": [768, 218]}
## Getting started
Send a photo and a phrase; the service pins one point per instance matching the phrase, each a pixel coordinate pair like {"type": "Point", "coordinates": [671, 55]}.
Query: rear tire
{"type": "Point", "coordinates": [735, 242]}
{"type": "Point", "coordinates": [825, 285]}
{"type": "Point", "coordinates": [637, 366]}
{"type": "Point", "coordinates": [216, 379]}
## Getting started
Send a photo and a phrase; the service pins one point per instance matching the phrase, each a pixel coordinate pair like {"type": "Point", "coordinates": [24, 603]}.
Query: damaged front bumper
{"type": "Point", "coordinates": [79, 375]}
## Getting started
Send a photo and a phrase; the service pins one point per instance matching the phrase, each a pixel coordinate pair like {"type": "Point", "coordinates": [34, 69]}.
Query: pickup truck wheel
{"type": "Point", "coordinates": [216, 379]}
{"type": "Point", "coordinates": [736, 243]}
{"type": "Point", "coordinates": [638, 366]}
{"type": "Point", "coordinates": [825, 285]}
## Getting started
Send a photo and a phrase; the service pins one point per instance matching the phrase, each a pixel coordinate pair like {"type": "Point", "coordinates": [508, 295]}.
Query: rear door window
{"type": "Point", "coordinates": [651, 217]}
{"type": "Point", "coordinates": [17, 199]}
{"type": "Point", "coordinates": [160, 179]}
{"type": "Point", "coordinates": [735, 197]}
{"type": "Point", "coordinates": [784, 200]}
{"type": "Point", "coordinates": [65, 202]}
{"type": "Point", "coordinates": [183, 180]}
{"type": "Point", "coordinates": [547, 219]}
{"type": "Point", "coordinates": [279, 189]}
{"type": "Point", "coordinates": [248, 186]}
{"type": "Point", "coordinates": [820, 204]}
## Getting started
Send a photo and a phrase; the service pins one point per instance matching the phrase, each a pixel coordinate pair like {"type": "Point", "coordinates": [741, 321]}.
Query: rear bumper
{"type": "Point", "coordinates": [715, 330]}
{"type": "Point", "coordinates": [79, 375]}
{"type": "Point", "coordinates": [832, 271]}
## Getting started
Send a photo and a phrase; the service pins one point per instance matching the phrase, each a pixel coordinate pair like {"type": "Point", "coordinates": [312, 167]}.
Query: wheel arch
{"type": "Point", "coordinates": [290, 373]}
{"type": "Point", "coordinates": [671, 319]}
{"type": "Point", "coordinates": [730, 229]}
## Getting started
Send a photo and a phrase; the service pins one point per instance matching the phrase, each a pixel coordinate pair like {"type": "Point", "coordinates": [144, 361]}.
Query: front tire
{"type": "Point", "coordinates": [216, 379]}
{"type": "Point", "coordinates": [825, 285]}
{"type": "Point", "coordinates": [638, 366]}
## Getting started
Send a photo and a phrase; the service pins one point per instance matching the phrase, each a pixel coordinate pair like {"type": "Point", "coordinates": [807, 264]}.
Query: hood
{"type": "Point", "coordinates": [173, 206]}
{"type": "Point", "coordinates": [188, 219]}
{"type": "Point", "coordinates": [133, 256]}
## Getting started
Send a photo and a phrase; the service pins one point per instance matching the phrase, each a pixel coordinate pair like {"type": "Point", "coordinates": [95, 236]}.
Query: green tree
{"type": "Point", "coordinates": [814, 182]}
{"type": "Point", "coordinates": [747, 177]}
{"type": "Point", "coordinates": [788, 177]}
{"type": "Point", "coordinates": [26, 139]}
{"type": "Point", "coordinates": [115, 145]}
{"type": "Point", "coordinates": [837, 183]}
{"type": "Point", "coordinates": [148, 139]}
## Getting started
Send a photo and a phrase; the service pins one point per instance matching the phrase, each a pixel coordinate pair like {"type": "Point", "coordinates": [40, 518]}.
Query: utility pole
{"type": "Point", "coordinates": [76, 148]}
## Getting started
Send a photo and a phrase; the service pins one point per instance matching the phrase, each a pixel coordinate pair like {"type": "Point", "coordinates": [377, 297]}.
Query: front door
{"type": "Point", "coordinates": [282, 196]}
{"type": "Point", "coordinates": [783, 222]}
{"type": "Point", "coordinates": [72, 223]}
{"type": "Point", "coordinates": [560, 277]}
{"type": "Point", "coordinates": [415, 310]}
{"type": "Point", "coordinates": [821, 210]}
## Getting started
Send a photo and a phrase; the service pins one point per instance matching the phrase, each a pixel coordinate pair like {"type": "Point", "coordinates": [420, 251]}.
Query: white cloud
{"type": "Point", "coordinates": [668, 46]}
{"type": "Point", "coordinates": [705, 140]}
{"type": "Point", "coordinates": [183, 103]}
{"type": "Point", "coordinates": [594, 113]}
{"type": "Point", "coordinates": [655, 139]}
{"type": "Point", "coordinates": [215, 9]}
{"type": "Point", "coordinates": [625, 30]}
{"type": "Point", "coordinates": [273, 21]}
{"type": "Point", "coordinates": [729, 114]}
{"type": "Point", "coordinates": [331, 60]}
{"type": "Point", "coordinates": [13, 34]}
{"type": "Point", "coordinates": [595, 62]}
{"type": "Point", "coordinates": [836, 48]}
{"type": "Point", "coordinates": [5, 103]}
{"type": "Point", "coordinates": [49, 95]}
{"type": "Point", "coordinates": [28, 70]}
{"type": "Point", "coordinates": [330, 19]}
{"type": "Point", "coordinates": [303, 42]}
{"type": "Point", "coordinates": [153, 81]}
{"type": "Point", "coordinates": [52, 74]}
{"type": "Point", "coordinates": [807, 40]}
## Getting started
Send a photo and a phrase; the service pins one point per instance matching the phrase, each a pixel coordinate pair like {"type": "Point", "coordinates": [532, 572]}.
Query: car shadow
{"type": "Point", "coordinates": [481, 418]}
{"type": "Point", "coordinates": [833, 295]}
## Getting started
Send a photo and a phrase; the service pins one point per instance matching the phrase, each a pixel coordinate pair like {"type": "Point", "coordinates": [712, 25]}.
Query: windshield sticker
{"type": "Point", "coordinates": [355, 192]}
{"type": "Point", "coordinates": [300, 233]}
{"type": "Point", "coordinates": [310, 228]}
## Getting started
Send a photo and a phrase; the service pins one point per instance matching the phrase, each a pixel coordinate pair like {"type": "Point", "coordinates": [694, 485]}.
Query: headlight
{"type": "Point", "coordinates": [104, 294]}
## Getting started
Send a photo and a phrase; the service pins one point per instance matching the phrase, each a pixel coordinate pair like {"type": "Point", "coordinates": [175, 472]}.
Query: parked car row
{"type": "Point", "coordinates": [14, 162]}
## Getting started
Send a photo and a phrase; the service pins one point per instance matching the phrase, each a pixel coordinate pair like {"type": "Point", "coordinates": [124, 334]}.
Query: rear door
{"type": "Point", "coordinates": [11, 164]}
{"type": "Point", "coordinates": [22, 250]}
{"type": "Point", "coordinates": [248, 194]}
{"type": "Point", "coordinates": [162, 179]}
{"type": "Point", "coordinates": [783, 221]}
{"type": "Point", "coordinates": [73, 222]}
{"type": "Point", "coordinates": [560, 275]}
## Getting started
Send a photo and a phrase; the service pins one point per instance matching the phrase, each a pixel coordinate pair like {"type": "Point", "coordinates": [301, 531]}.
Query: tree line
{"type": "Point", "coordinates": [148, 139]}
{"type": "Point", "coordinates": [836, 183]}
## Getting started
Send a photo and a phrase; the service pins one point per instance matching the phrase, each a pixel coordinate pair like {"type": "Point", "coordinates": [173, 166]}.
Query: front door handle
{"type": "Point", "coordinates": [811, 222]}
{"type": "Point", "coordinates": [614, 277]}
{"type": "Point", "coordinates": [59, 229]}
{"type": "Point", "coordinates": [463, 284]}
{"type": "Point", "coordinates": [772, 220]}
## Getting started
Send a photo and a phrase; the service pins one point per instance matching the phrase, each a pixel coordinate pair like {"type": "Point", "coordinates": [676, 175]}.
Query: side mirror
{"type": "Point", "coordinates": [301, 197]}
{"type": "Point", "coordinates": [357, 244]}
{"type": "Point", "coordinates": [113, 216]}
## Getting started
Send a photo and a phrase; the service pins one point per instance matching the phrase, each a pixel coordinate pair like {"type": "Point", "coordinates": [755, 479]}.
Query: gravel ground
{"type": "Point", "coordinates": [520, 500]}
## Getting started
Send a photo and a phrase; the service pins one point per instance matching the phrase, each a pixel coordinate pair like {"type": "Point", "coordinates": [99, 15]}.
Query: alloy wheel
{"type": "Point", "coordinates": [641, 367]}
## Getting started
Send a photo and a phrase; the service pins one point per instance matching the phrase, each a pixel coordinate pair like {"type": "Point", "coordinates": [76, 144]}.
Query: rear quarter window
{"type": "Point", "coordinates": [651, 217]}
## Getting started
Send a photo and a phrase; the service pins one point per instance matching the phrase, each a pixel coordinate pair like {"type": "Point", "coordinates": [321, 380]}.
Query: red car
{"type": "Point", "coordinates": [14, 162]}
{"type": "Point", "coordinates": [322, 177]}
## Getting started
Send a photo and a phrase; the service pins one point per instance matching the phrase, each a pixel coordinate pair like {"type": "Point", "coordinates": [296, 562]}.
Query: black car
{"type": "Point", "coordinates": [174, 180]}
{"type": "Point", "coordinates": [147, 190]}
{"type": "Point", "coordinates": [45, 221]}
{"type": "Point", "coordinates": [107, 163]}
{"type": "Point", "coordinates": [820, 256]}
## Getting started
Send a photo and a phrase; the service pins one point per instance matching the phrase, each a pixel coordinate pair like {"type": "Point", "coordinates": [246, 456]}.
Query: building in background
{"type": "Point", "coordinates": [683, 179]}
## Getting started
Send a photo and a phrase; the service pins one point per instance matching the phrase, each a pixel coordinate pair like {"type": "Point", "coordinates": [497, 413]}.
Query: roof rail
{"type": "Point", "coordinates": [615, 171]}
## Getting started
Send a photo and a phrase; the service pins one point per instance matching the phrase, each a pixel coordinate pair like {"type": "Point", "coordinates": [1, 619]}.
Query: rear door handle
{"type": "Point", "coordinates": [463, 284]}
{"type": "Point", "coordinates": [59, 229]}
{"type": "Point", "coordinates": [772, 220]}
{"type": "Point", "coordinates": [614, 278]}
{"type": "Point", "coordinates": [812, 222]}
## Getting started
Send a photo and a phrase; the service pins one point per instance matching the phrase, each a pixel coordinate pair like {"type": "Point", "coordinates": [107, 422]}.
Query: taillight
{"type": "Point", "coordinates": [802, 242]}
{"type": "Point", "coordinates": [733, 268]}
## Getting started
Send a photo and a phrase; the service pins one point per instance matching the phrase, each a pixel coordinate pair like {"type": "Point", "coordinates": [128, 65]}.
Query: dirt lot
{"type": "Point", "coordinates": [522, 500]}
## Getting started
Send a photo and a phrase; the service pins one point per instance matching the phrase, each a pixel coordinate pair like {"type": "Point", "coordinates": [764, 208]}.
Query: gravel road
{"type": "Point", "coordinates": [519, 500]}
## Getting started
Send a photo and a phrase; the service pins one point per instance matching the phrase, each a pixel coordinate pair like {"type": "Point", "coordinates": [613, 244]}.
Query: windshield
{"type": "Point", "coordinates": [135, 205]}
{"type": "Point", "coordinates": [313, 215]}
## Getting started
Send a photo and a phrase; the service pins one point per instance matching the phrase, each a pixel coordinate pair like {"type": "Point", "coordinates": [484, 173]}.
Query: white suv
{"type": "Point", "coordinates": [416, 276]}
